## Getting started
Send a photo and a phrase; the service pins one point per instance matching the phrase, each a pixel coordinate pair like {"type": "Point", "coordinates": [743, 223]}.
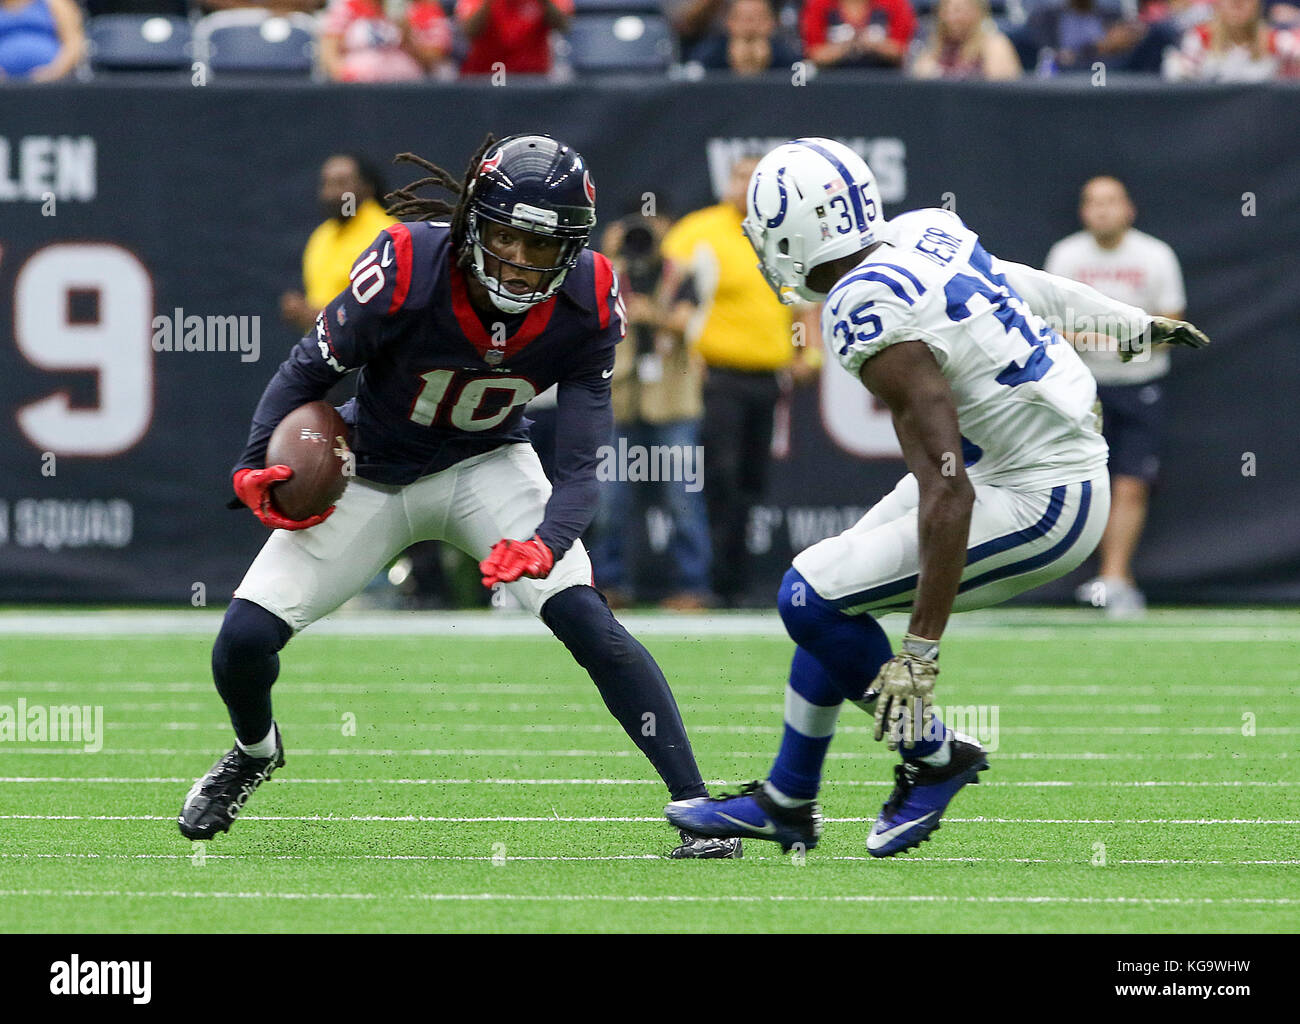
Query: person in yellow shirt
{"type": "Point", "coordinates": [753, 348]}
{"type": "Point", "coordinates": [349, 198]}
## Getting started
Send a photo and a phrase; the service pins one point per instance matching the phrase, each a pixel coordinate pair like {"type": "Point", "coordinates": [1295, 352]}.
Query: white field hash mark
{"type": "Point", "coordinates": [662, 898]}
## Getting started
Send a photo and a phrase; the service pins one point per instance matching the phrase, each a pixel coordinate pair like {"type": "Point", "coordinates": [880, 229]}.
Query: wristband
{"type": "Point", "coordinates": [920, 647]}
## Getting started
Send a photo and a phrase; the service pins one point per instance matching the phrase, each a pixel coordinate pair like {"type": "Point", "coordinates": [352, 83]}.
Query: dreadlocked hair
{"type": "Point", "coordinates": [404, 204]}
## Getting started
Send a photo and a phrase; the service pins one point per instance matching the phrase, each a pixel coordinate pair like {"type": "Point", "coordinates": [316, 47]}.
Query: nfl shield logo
{"type": "Point", "coordinates": [493, 356]}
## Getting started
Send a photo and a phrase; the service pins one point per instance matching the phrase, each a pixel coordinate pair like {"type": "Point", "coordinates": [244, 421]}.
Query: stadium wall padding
{"type": "Point", "coordinates": [125, 200]}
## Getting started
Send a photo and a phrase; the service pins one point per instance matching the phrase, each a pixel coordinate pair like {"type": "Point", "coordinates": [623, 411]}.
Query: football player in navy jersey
{"type": "Point", "coordinates": [454, 320]}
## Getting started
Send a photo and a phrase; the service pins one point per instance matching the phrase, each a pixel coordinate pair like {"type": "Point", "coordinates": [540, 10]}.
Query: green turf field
{"type": "Point", "coordinates": [485, 788]}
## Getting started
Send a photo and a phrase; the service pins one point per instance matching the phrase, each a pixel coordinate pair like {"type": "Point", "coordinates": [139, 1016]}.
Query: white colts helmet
{"type": "Point", "coordinates": [810, 201]}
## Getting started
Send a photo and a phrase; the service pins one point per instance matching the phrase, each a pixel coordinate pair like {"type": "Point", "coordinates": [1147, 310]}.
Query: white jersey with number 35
{"type": "Point", "coordinates": [1025, 401]}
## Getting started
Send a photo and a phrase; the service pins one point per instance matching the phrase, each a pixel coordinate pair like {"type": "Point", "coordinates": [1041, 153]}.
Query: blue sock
{"type": "Point", "coordinates": [932, 739]}
{"type": "Point", "coordinates": [837, 658]}
{"type": "Point", "coordinates": [812, 703]}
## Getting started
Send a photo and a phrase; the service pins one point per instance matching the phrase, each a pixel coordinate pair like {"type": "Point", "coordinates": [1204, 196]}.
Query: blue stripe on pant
{"type": "Point", "coordinates": [990, 548]}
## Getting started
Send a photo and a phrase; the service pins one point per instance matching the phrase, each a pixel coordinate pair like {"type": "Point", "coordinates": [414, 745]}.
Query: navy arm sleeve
{"type": "Point", "coordinates": [347, 333]}
{"type": "Point", "coordinates": [584, 423]}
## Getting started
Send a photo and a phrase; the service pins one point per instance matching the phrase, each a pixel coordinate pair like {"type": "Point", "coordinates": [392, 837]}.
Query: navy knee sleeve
{"type": "Point", "coordinates": [245, 663]}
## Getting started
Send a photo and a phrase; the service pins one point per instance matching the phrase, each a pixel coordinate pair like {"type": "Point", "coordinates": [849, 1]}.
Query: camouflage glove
{"type": "Point", "coordinates": [1163, 331]}
{"type": "Point", "coordinates": [905, 686]}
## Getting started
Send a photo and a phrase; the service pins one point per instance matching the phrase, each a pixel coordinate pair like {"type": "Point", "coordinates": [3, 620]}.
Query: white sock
{"type": "Point", "coordinates": [941, 756]}
{"type": "Point", "coordinates": [780, 799]}
{"type": "Point", "coordinates": [264, 748]}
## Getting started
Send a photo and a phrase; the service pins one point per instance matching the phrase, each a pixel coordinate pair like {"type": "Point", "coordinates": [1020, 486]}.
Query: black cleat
{"type": "Point", "coordinates": [214, 801]}
{"type": "Point", "coordinates": [706, 848]}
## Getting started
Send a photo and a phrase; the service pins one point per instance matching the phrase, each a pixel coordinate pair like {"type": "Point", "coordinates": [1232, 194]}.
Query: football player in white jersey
{"type": "Point", "coordinates": [1007, 487]}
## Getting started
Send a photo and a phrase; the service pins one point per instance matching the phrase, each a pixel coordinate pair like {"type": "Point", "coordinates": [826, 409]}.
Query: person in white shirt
{"type": "Point", "coordinates": [1133, 267]}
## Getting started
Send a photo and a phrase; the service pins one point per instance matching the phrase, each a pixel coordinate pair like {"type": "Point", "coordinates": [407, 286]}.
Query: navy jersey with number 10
{"type": "Point", "coordinates": [439, 383]}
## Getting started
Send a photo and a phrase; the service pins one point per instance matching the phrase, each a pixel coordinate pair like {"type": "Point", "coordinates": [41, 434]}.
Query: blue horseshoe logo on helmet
{"type": "Point", "coordinates": [774, 221]}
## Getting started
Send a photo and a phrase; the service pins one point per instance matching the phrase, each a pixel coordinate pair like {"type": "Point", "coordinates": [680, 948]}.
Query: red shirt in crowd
{"type": "Point", "coordinates": [515, 35]}
{"type": "Point", "coordinates": [827, 20]}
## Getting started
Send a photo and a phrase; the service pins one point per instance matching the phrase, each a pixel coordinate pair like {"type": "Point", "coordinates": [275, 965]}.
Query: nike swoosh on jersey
{"type": "Point", "coordinates": [878, 839]}
{"type": "Point", "coordinates": [768, 828]}
{"type": "Point", "coordinates": [607, 373]}
{"type": "Point", "coordinates": [387, 258]}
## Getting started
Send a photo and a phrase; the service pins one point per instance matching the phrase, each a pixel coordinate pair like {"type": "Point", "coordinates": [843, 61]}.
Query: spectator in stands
{"type": "Point", "coordinates": [1180, 14]}
{"type": "Point", "coordinates": [965, 43]}
{"type": "Point", "coordinates": [1079, 34]}
{"type": "Point", "coordinates": [1236, 45]}
{"type": "Point", "coordinates": [750, 45]}
{"type": "Point", "coordinates": [696, 22]}
{"type": "Point", "coordinates": [363, 41]}
{"type": "Point", "coordinates": [657, 402]}
{"type": "Point", "coordinates": [1129, 265]}
{"type": "Point", "coordinates": [1284, 14]}
{"type": "Point", "coordinates": [349, 198]}
{"type": "Point", "coordinates": [857, 33]}
{"type": "Point", "coordinates": [510, 35]}
{"type": "Point", "coordinates": [745, 337]}
{"type": "Point", "coordinates": [40, 40]}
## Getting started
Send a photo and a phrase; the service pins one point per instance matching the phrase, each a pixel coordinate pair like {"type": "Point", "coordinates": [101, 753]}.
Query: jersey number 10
{"type": "Point", "coordinates": [466, 409]}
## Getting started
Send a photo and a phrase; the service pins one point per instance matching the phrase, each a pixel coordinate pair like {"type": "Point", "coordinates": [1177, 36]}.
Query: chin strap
{"type": "Point", "coordinates": [498, 296]}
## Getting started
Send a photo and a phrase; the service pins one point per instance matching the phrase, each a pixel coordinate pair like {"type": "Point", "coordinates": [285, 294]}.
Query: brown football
{"type": "Point", "coordinates": [313, 442]}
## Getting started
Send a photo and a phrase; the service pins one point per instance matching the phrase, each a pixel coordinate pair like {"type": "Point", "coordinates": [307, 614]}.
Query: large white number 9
{"type": "Point", "coordinates": [115, 345]}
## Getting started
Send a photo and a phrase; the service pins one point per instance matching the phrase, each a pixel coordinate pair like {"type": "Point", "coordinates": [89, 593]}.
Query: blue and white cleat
{"type": "Point", "coordinates": [921, 795]}
{"type": "Point", "coordinates": [750, 814]}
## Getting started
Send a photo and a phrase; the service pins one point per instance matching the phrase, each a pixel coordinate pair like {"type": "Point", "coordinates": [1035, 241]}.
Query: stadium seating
{"type": "Point", "coordinates": [607, 42]}
{"type": "Point", "coordinates": [582, 7]}
{"type": "Point", "coordinates": [254, 41]}
{"type": "Point", "coordinates": [139, 42]}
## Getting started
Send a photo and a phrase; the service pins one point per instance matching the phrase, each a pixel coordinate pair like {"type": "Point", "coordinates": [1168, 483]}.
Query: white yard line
{"type": "Point", "coordinates": [490, 897]}
{"type": "Point", "coordinates": [109, 780]}
{"type": "Point", "coordinates": [421, 818]}
{"type": "Point", "coordinates": [610, 857]}
{"type": "Point", "coordinates": [707, 728]}
{"type": "Point", "coordinates": [1016, 625]}
{"type": "Point", "coordinates": [842, 755]}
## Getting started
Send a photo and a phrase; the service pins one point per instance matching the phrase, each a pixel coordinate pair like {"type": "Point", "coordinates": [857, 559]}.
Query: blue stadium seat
{"type": "Point", "coordinates": [139, 42]}
{"type": "Point", "coordinates": [619, 42]}
{"type": "Point", "coordinates": [251, 41]}
{"type": "Point", "coordinates": [997, 8]}
{"type": "Point", "coordinates": [581, 7]}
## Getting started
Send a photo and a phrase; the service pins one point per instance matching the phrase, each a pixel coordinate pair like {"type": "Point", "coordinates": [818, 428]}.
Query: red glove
{"type": "Point", "coordinates": [510, 559]}
{"type": "Point", "coordinates": [253, 488]}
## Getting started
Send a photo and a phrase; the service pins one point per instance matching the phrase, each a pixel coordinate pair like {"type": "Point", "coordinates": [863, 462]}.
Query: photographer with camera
{"type": "Point", "coordinates": [657, 408]}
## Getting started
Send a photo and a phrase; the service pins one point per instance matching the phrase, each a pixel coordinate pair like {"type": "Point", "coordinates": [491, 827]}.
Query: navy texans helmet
{"type": "Point", "coordinates": [531, 183]}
